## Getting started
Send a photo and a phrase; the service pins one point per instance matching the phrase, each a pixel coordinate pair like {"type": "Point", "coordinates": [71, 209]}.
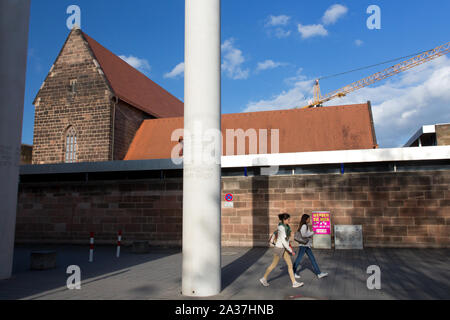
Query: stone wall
{"type": "Point", "coordinates": [85, 106]}
{"type": "Point", "coordinates": [443, 134]}
{"type": "Point", "coordinates": [126, 123]}
{"type": "Point", "coordinates": [395, 209]}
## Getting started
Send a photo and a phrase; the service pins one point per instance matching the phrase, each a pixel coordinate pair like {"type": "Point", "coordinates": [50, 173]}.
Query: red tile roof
{"type": "Point", "coordinates": [134, 87]}
{"type": "Point", "coordinates": [320, 129]}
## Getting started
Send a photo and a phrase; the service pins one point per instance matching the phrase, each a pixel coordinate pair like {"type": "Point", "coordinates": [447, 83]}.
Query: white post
{"type": "Point", "coordinates": [14, 15]}
{"type": "Point", "coordinates": [201, 181]}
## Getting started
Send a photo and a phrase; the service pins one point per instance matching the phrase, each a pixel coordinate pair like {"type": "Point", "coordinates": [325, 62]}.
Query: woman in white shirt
{"type": "Point", "coordinates": [306, 248]}
{"type": "Point", "coordinates": [282, 249]}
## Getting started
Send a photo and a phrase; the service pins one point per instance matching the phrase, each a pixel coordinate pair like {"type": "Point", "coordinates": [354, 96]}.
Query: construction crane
{"type": "Point", "coordinates": [389, 72]}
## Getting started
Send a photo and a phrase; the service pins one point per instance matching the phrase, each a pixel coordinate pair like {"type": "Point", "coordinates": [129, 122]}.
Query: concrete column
{"type": "Point", "coordinates": [202, 120]}
{"type": "Point", "coordinates": [14, 16]}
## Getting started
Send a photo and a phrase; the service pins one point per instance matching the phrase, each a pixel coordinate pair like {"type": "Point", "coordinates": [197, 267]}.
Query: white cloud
{"type": "Point", "coordinates": [281, 33]}
{"type": "Point", "coordinates": [297, 96]}
{"type": "Point", "coordinates": [233, 59]}
{"type": "Point", "coordinates": [140, 64]}
{"type": "Point", "coordinates": [400, 105]}
{"type": "Point", "coordinates": [359, 43]}
{"type": "Point", "coordinates": [313, 30]}
{"type": "Point", "coordinates": [331, 16]}
{"type": "Point", "coordinates": [293, 80]}
{"type": "Point", "coordinates": [177, 71]}
{"type": "Point", "coordinates": [334, 13]}
{"type": "Point", "coordinates": [269, 64]}
{"type": "Point", "coordinates": [276, 26]}
{"type": "Point", "coordinates": [280, 20]}
{"type": "Point", "coordinates": [420, 96]}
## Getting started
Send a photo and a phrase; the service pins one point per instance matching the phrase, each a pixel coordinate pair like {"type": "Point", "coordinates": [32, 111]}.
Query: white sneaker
{"type": "Point", "coordinates": [322, 275]}
{"type": "Point", "coordinates": [264, 282]}
{"type": "Point", "coordinates": [297, 284]}
{"type": "Point", "coordinates": [297, 276]}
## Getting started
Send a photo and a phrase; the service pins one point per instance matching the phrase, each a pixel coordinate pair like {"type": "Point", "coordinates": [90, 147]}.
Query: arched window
{"type": "Point", "coordinates": [71, 146]}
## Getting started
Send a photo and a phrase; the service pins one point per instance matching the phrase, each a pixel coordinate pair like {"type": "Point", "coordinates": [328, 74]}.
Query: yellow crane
{"type": "Point", "coordinates": [389, 72]}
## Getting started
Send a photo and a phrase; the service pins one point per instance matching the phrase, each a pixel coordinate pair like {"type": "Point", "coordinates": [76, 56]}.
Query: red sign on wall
{"type": "Point", "coordinates": [321, 222]}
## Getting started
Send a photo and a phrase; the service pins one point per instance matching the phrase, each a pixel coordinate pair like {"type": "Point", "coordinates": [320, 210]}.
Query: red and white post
{"type": "Point", "coordinates": [119, 239]}
{"type": "Point", "coordinates": [91, 250]}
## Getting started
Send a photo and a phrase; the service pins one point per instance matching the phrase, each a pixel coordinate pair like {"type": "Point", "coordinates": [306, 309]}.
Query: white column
{"type": "Point", "coordinates": [14, 15]}
{"type": "Point", "coordinates": [201, 184]}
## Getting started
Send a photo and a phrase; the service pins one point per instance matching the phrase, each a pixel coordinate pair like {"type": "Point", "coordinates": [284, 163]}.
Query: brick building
{"type": "Point", "coordinates": [92, 103]}
{"type": "Point", "coordinates": [94, 107]}
{"type": "Point", "coordinates": [26, 153]}
{"type": "Point", "coordinates": [431, 135]}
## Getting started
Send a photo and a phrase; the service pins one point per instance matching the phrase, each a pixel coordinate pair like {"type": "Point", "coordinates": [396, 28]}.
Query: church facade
{"type": "Point", "coordinates": [83, 111]}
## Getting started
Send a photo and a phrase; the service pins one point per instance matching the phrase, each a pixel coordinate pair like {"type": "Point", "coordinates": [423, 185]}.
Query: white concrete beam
{"type": "Point", "coordinates": [14, 16]}
{"type": "Point", "coordinates": [333, 157]}
{"type": "Point", "coordinates": [202, 118]}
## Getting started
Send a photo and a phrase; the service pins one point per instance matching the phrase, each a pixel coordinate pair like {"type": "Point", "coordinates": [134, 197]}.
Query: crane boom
{"type": "Point", "coordinates": [389, 72]}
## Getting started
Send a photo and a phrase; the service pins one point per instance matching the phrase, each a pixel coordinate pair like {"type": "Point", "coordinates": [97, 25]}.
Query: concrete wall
{"type": "Point", "coordinates": [395, 209]}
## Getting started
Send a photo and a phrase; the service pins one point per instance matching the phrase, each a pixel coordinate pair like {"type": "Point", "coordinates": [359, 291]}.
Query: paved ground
{"type": "Point", "coordinates": [405, 274]}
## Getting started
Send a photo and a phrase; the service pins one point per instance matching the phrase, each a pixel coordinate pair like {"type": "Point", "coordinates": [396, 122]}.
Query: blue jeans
{"type": "Point", "coordinates": [301, 253]}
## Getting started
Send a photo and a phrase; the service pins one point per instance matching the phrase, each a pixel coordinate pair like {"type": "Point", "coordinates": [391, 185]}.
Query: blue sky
{"type": "Point", "coordinates": [272, 51]}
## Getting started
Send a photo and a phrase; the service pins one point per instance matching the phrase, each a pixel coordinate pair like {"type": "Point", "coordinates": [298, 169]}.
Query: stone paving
{"type": "Point", "coordinates": [405, 274]}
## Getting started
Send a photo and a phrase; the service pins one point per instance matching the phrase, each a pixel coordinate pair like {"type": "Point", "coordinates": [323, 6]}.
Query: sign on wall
{"type": "Point", "coordinates": [228, 201]}
{"type": "Point", "coordinates": [348, 237]}
{"type": "Point", "coordinates": [321, 222]}
{"type": "Point", "coordinates": [229, 197]}
{"type": "Point", "coordinates": [321, 225]}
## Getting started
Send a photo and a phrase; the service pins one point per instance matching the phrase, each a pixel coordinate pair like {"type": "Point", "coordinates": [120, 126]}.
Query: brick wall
{"type": "Point", "coordinates": [26, 153]}
{"type": "Point", "coordinates": [395, 209]}
{"type": "Point", "coordinates": [443, 135]}
{"type": "Point", "coordinates": [88, 110]}
{"type": "Point", "coordinates": [66, 212]}
{"type": "Point", "coordinates": [127, 122]}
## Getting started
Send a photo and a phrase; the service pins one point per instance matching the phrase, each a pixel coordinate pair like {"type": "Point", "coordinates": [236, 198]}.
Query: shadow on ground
{"type": "Point", "coordinates": [25, 283]}
{"type": "Point", "coordinates": [239, 266]}
{"type": "Point", "coordinates": [406, 274]}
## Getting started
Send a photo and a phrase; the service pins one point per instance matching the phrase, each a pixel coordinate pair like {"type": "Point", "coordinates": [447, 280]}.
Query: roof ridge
{"type": "Point", "coordinates": [266, 112]}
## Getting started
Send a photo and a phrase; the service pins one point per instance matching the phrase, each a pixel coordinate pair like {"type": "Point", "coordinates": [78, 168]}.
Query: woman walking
{"type": "Point", "coordinates": [306, 248]}
{"type": "Point", "coordinates": [282, 249]}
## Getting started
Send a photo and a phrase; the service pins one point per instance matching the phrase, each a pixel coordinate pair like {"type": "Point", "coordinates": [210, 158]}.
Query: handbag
{"type": "Point", "coordinates": [299, 238]}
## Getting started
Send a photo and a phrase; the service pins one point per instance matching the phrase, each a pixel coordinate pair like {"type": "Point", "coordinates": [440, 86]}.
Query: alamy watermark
{"type": "Point", "coordinates": [74, 20]}
{"type": "Point", "coordinates": [201, 146]}
{"type": "Point", "coordinates": [374, 281]}
{"type": "Point", "coordinates": [374, 21]}
{"type": "Point", "coordinates": [74, 280]}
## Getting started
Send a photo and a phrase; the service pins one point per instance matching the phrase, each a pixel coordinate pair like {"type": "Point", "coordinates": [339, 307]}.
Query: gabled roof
{"type": "Point", "coordinates": [134, 87]}
{"type": "Point", "coordinates": [320, 129]}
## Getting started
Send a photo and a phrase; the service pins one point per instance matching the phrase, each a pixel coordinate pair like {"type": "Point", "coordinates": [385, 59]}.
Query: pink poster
{"type": "Point", "coordinates": [321, 222]}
